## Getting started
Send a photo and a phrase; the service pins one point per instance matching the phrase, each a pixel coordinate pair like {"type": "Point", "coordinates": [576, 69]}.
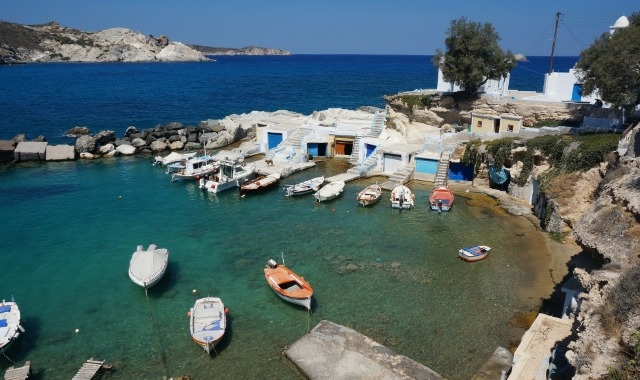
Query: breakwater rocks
{"type": "Point", "coordinates": [209, 134]}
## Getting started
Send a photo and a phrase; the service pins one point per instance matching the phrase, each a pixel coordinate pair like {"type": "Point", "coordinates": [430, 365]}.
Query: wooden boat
{"type": "Point", "coordinates": [475, 253]}
{"type": "Point", "coordinates": [441, 199]}
{"type": "Point", "coordinates": [207, 322]}
{"type": "Point", "coordinates": [288, 285]}
{"type": "Point", "coordinates": [370, 195]}
{"type": "Point", "coordinates": [146, 268]}
{"type": "Point", "coordinates": [306, 187]}
{"type": "Point", "coordinates": [260, 183]}
{"type": "Point", "coordinates": [10, 328]}
{"type": "Point", "coordinates": [402, 197]}
{"type": "Point", "coordinates": [330, 191]}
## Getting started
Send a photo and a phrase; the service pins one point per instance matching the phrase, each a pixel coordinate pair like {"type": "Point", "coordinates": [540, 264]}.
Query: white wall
{"type": "Point", "coordinates": [491, 87]}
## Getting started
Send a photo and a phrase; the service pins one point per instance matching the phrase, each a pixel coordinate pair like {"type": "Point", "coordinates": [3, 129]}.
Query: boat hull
{"type": "Point", "coordinates": [475, 253]}
{"type": "Point", "coordinates": [402, 198]}
{"type": "Point", "coordinates": [305, 187]}
{"type": "Point", "coordinates": [207, 322]}
{"type": "Point", "coordinates": [288, 285]}
{"type": "Point", "coordinates": [305, 302]}
{"type": "Point", "coordinates": [146, 268]}
{"type": "Point", "coordinates": [10, 314]}
{"type": "Point", "coordinates": [441, 199]}
{"type": "Point", "coordinates": [369, 195]}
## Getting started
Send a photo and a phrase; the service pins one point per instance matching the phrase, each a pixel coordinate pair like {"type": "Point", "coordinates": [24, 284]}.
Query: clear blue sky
{"type": "Point", "coordinates": [335, 26]}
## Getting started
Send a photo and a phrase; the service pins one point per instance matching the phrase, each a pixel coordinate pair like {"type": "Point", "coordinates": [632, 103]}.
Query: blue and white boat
{"type": "Point", "coordinates": [10, 327]}
{"type": "Point", "coordinates": [230, 174]}
{"type": "Point", "coordinates": [195, 168]}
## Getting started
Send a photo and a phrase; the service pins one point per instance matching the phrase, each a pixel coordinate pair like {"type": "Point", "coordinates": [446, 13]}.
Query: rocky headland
{"type": "Point", "coordinates": [55, 43]}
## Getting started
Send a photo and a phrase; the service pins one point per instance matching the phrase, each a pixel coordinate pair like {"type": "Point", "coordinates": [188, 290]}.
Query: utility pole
{"type": "Point", "coordinates": [553, 47]}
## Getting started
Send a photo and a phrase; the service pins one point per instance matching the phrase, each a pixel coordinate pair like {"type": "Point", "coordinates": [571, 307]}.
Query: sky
{"type": "Point", "coordinates": [403, 27]}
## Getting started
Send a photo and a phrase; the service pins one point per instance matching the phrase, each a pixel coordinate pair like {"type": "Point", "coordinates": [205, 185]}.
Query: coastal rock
{"type": "Point", "coordinates": [85, 144]}
{"type": "Point", "coordinates": [126, 150]}
{"type": "Point", "coordinates": [54, 43]}
{"type": "Point", "coordinates": [104, 137]}
{"type": "Point", "coordinates": [176, 145]}
{"type": "Point", "coordinates": [21, 137]}
{"type": "Point", "coordinates": [77, 131]}
{"type": "Point", "coordinates": [138, 142]}
{"type": "Point", "coordinates": [87, 155]}
{"type": "Point", "coordinates": [105, 149]}
{"type": "Point", "coordinates": [158, 146]}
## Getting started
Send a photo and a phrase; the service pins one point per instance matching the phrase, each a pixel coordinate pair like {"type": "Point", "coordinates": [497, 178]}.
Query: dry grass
{"type": "Point", "coordinates": [562, 188]}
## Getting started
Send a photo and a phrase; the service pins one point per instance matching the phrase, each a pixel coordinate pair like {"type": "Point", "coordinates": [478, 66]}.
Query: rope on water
{"type": "Point", "coordinates": [156, 334]}
{"type": "Point", "coordinates": [5, 355]}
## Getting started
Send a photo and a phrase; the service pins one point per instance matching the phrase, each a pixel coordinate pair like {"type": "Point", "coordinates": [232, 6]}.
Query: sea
{"type": "Point", "coordinates": [69, 229]}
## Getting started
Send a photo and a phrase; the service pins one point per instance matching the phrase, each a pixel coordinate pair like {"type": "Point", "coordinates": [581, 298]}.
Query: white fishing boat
{"type": "Point", "coordinates": [230, 174]}
{"type": "Point", "coordinates": [305, 187]}
{"type": "Point", "coordinates": [10, 327]}
{"type": "Point", "coordinates": [402, 197]}
{"type": "Point", "coordinates": [173, 157]}
{"type": "Point", "coordinates": [475, 253]}
{"type": "Point", "coordinates": [330, 191]}
{"type": "Point", "coordinates": [207, 322]}
{"type": "Point", "coordinates": [195, 168]}
{"type": "Point", "coordinates": [146, 268]}
{"type": "Point", "coordinates": [370, 195]}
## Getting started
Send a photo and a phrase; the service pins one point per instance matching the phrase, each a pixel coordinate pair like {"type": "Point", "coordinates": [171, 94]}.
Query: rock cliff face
{"type": "Point", "coordinates": [54, 43]}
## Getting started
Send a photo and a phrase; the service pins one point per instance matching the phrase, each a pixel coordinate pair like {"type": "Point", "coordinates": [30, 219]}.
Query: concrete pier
{"type": "Point", "coordinates": [30, 151]}
{"type": "Point", "coordinates": [333, 352]}
{"type": "Point", "coordinates": [60, 153]}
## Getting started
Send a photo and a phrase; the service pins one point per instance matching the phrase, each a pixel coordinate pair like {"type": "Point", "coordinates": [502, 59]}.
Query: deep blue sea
{"type": "Point", "coordinates": [69, 229]}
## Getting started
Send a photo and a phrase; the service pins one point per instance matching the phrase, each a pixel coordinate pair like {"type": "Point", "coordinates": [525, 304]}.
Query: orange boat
{"type": "Point", "coordinates": [288, 285]}
{"type": "Point", "coordinates": [441, 199]}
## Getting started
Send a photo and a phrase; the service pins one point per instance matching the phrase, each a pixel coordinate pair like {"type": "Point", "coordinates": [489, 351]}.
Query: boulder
{"type": "Point", "coordinates": [158, 146]}
{"type": "Point", "coordinates": [174, 126]}
{"type": "Point", "coordinates": [86, 144]}
{"type": "Point", "coordinates": [104, 137]}
{"type": "Point", "coordinates": [138, 142]}
{"type": "Point", "coordinates": [126, 150]}
{"type": "Point", "coordinates": [130, 130]}
{"type": "Point", "coordinates": [176, 145]}
{"type": "Point", "coordinates": [112, 153]}
{"type": "Point", "coordinates": [21, 137]}
{"type": "Point", "coordinates": [192, 146]}
{"type": "Point", "coordinates": [104, 149]}
{"type": "Point", "coordinates": [78, 131]}
{"type": "Point", "coordinates": [40, 138]}
{"type": "Point", "coordinates": [122, 141]}
{"type": "Point", "coordinates": [87, 155]}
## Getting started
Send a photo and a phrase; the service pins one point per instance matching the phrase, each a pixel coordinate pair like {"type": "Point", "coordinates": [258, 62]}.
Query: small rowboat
{"type": "Point", "coordinates": [260, 183]}
{"type": "Point", "coordinates": [288, 285]}
{"type": "Point", "coordinates": [370, 195]}
{"type": "Point", "coordinates": [207, 322]}
{"type": "Point", "coordinates": [306, 187]}
{"type": "Point", "coordinates": [330, 191]}
{"type": "Point", "coordinates": [474, 253]}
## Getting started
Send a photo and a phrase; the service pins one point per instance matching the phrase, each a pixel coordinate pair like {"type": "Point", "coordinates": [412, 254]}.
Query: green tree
{"type": "Point", "coordinates": [610, 67]}
{"type": "Point", "coordinates": [472, 55]}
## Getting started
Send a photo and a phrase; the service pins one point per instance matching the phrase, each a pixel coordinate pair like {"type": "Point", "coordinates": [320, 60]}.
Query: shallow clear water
{"type": "Point", "coordinates": [69, 229]}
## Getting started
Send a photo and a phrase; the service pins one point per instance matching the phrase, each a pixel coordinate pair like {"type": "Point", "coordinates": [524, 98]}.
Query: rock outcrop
{"type": "Point", "coordinates": [54, 43]}
{"type": "Point", "coordinates": [247, 50]}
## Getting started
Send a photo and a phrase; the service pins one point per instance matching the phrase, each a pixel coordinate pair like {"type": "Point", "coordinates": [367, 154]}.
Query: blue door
{"type": "Point", "coordinates": [369, 149]}
{"type": "Point", "coordinates": [576, 95]}
{"type": "Point", "coordinates": [273, 139]}
{"type": "Point", "coordinates": [312, 149]}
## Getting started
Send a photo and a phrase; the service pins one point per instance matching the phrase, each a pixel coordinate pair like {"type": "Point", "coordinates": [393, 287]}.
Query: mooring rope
{"type": "Point", "coordinates": [5, 355]}
{"type": "Point", "coordinates": [155, 330]}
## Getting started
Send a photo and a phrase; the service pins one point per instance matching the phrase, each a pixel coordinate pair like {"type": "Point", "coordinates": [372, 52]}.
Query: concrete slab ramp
{"type": "Point", "coordinates": [334, 352]}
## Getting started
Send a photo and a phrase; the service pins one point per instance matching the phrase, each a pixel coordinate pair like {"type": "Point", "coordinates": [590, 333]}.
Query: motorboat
{"type": "Point", "coordinates": [441, 199]}
{"type": "Point", "coordinates": [288, 285]}
{"type": "Point", "coordinates": [402, 197]}
{"type": "Point", "coordinates": [305, 187]}
{"type": "Point", "coordinates": [260, 183]}
{"type": "Point", "coordinates": [329, 191]}
{"type": "Point", "coordinates": [475, 253]}
{"type": "Point", "coordinates": [207, 322]}
{"type": "Point", "coordinates": [10, 328]}
{"type": "Point", "coordinates": [230, 174]}
{"type": "Point", "coordinates": [370, 195]}
{"type": "Point", "coordinates": [172, 158]}
{"type": "Point", "coordinates": [195, 168]}
{"type": "Point", "coordinates": [147, 267]}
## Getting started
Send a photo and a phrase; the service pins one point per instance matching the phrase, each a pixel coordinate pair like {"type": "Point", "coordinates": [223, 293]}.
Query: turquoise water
{"type": "Point", "coordinates": [69, 229]}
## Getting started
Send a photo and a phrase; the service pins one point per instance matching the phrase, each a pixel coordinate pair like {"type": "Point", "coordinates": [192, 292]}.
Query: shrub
{"type": "Point", "coordinates": [556, 123]}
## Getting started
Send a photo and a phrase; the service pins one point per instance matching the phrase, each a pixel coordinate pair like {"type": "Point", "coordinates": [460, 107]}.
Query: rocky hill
{"type": "Point", "coordinates": [55, 43]}
{"type": "Point", "coordinates": [247, 50]}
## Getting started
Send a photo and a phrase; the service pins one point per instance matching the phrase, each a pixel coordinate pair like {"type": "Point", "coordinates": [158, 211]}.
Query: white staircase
{"type": "Point", "coordinates": [442, 173]}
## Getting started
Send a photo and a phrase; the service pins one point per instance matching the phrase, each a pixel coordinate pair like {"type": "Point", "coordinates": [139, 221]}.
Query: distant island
{"type": "Point", "coordinates": [247, 50]}
{"type": "Point", "coordinates": [52, 42]}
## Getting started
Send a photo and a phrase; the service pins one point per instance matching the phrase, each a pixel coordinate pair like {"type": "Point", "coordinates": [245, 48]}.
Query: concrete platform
{"type": "Point", "coordinates": [497, 366]}
{"type": "Point", "coordinates": [30, 151]}
{"type": "Point", "coordinates": [7, 151]}
{"type": "Point", "coordinates": [60, 153]}
{"type": "Point", "coordinates": [531, 359]}
{"type": "Point", "coordinates": [334, 352]}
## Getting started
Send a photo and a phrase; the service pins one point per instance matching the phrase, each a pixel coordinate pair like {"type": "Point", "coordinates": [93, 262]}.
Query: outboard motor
{"type": "Point", "coordinates": [272, 263]}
